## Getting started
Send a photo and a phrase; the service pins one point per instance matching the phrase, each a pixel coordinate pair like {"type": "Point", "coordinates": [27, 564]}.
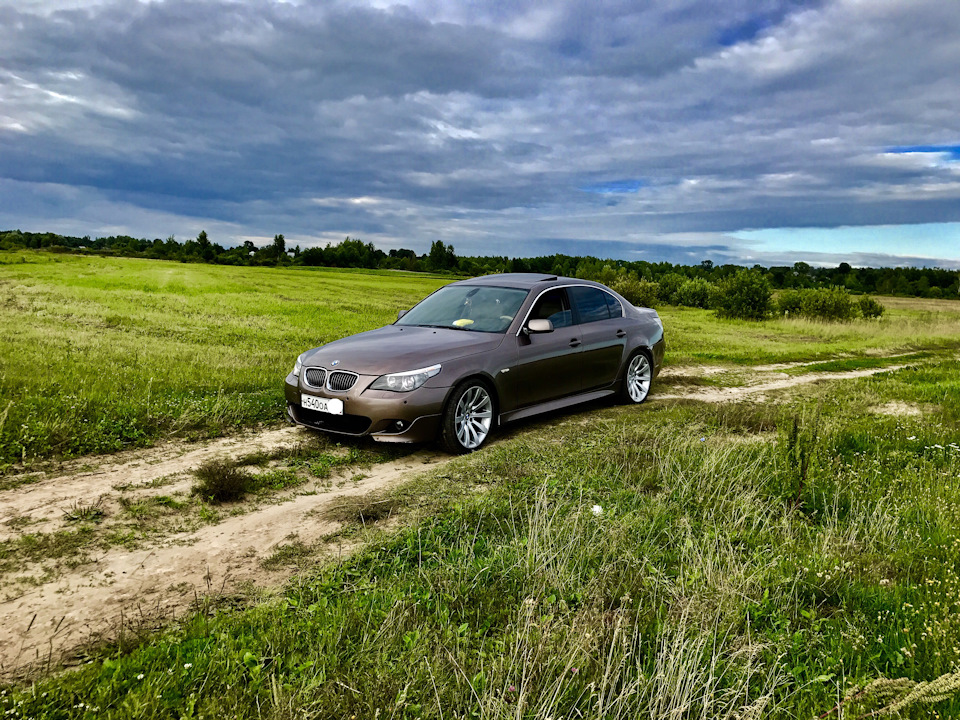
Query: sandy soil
{"type": "Point", "coordinates": [58, 613]}
{"type": "Point", "coordinates": [84, 481]}
{"type": "Point", "coordinates": [122, 589]}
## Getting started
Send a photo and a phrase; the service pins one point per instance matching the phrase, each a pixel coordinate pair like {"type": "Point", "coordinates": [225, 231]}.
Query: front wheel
{"type": "Point", "coordinates": [637, 379]}
{"type": "Point", "coordinates": [468, 418]}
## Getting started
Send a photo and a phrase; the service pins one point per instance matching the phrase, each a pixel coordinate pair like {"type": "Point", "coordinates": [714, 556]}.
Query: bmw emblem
{"type": "Point", "coordinates": [334, 363]}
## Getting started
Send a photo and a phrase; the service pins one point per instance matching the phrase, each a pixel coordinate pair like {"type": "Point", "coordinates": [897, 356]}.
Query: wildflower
{"type": "Point", "coordinates": [511, 689]}
{"type": "Point", "coordinates": [140, 676]}
{"type": "Point", "coordinates": [187, 666]}
{"type": "Point", "coordinates": [574, 671]}
{"type": "Point", "coordinates": [596, 510]}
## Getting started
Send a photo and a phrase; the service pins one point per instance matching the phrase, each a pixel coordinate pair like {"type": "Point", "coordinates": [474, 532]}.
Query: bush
{"type": "Point", "coordinates": [221, 481]}
{"type": "Point", "coordinates": [790, 302]}
{"type": "Point", "coordinates": [828, 304]}
{"type": "Point", "coordinates": [695, 293]}
{"type": "Point", "coordinates": [669, 284]}
{"type": "Point", "coordinates": [870, 308]}
{"type": "Point", "coordinates": [744, 296]}
{"type": "Point", "coordinates": [641, 293]}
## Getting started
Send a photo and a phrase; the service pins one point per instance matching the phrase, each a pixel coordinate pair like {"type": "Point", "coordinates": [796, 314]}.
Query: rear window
{"type": "Point", "coordinates": [614, 306]}
{"type": "Point", "coordinates": [591, 304]}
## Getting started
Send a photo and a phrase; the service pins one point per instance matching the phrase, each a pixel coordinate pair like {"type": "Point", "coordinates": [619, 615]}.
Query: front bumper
{"type": "Point", "coordinates": [386, 416]}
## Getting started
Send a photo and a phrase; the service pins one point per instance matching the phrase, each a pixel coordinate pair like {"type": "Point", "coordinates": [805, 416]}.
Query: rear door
{"type": "Point", "coordinates": [602, 333]}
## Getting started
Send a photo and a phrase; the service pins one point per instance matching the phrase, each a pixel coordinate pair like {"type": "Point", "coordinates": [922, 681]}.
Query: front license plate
{"type": "Point", "coordinates": [334, 406]}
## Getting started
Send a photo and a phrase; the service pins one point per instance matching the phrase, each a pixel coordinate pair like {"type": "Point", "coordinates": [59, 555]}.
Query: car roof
{"type": "Point", "coordinates": [525, 281]}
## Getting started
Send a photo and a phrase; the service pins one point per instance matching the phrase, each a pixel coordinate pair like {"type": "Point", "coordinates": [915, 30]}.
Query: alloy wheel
{"type": "Point", "coordinates": [473, 417]}
{"type": "Point", "coordinates": [638, 378]}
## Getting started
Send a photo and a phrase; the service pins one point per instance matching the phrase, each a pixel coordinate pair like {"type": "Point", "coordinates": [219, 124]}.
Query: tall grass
{"type": "Point", "coordinates": [673, 561]}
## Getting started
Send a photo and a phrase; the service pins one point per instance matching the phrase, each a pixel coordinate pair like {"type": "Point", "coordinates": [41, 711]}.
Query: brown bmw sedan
{"type": "Point", "coordinates": [479, 353]}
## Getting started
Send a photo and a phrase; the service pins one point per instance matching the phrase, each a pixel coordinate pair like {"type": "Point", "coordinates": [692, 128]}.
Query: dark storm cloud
{"type": "Point", "coordinates": [473, 122]}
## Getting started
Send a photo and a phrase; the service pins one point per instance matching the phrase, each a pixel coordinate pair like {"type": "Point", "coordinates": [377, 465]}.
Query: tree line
{"type": "Point", "coordinates": [354, 253]}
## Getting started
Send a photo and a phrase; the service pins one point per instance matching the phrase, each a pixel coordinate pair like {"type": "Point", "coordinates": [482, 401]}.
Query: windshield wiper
{"type": "Point", "coordinates": [445, 327]}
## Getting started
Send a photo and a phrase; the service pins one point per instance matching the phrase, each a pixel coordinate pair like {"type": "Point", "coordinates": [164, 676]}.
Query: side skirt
{"type": "Point", "coordinates": [558, 404]}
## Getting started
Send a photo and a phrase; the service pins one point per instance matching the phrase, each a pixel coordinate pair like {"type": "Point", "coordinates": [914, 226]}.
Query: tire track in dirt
{"type": "Point", "coordinates": [145, 588]}
{"type": "Point", "coordinates": [89, 603]}
{"type": "Point", "coordinates": [42, 503]}
{"type": "Point", "coordinates": [783, 382]}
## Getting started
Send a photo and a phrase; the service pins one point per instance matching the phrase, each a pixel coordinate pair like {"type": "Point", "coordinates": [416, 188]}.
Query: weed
{"type": "Point", "coordinates": [15, 481]}
{"type": "Point", "coordinates": [273, 480]}
{"type": "Point", "coordinates": [85, 512]}
{"type": "Point", "coordinates": [220, 481]}
{"type": "Point", "coordinates": [364, 510]}
{"type": "Point", "coordinates": [260, 458]}
{"type": "Point", "coordinates": [292, 553]}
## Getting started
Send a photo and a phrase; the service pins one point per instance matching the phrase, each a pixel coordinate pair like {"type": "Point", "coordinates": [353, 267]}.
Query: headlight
{"type": "Point", "coordinates": [405, 381]}
{"type": "Point", "coordinates": [297, 365]}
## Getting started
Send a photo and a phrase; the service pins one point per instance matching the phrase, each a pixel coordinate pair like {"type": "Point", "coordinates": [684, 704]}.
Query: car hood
{"type": "Point", "coordinates": [396, 348]}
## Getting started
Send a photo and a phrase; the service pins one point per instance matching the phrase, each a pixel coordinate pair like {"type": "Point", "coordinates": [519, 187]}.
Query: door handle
{"type": "Point", "coordinates": [621, 333]}
{"type": "Point", "coordinates": [574, 342]}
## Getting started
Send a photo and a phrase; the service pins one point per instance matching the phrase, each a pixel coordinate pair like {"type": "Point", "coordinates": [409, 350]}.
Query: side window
{"type": "Point", "coordinates": [613, 305]}
{"type": "Point", "coordinates": [553, 306]}
{"type": "Point", "coordinates": [591, 304]}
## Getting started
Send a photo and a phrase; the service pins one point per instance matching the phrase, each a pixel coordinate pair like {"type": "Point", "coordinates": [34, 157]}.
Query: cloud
{"type": "Point", "coordinates": [480, 123]}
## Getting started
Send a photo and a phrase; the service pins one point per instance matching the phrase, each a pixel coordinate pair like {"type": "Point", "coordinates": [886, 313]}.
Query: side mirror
{"type": "Point", "coordinates": [539, 326]}
{"type": "Point", "coordinates": [401, 313]}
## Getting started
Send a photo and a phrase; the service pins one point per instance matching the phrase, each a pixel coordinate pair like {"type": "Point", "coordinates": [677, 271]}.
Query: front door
{"type": "Point", "coordinates": [547, 363]}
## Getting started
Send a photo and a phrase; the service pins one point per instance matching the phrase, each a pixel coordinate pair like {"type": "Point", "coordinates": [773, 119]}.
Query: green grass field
{"type": "Point", "coordinates": [105, 353]}
{"type": "Point", "coordinates": [797, 558]}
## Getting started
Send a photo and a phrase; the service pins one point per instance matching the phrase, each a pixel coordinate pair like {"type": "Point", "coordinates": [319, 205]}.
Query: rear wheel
{"type": "Point", "coordinates": [637, 378]}
{"type": "Point", "coordinates": [468, 418]}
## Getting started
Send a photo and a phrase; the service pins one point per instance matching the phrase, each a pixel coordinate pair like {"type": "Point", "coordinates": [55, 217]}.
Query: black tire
{"type": "Point", "coordinates": [637, 378]}
{"type": "Point", "coordinates": [468, 418]}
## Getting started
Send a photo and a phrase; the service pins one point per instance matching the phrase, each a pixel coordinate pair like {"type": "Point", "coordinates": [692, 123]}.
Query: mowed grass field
{"type": "Point", "coordinates": [796, 557]}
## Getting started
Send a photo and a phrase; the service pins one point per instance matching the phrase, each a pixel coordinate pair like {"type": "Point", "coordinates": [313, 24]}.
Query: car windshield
{"type": "Point", "coordinates": [480, 308]}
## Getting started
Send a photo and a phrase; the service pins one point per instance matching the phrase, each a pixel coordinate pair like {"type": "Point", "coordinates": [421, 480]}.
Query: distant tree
{"type": "Point", "coordinates": [442, 256]}
{"type": "Point", "coordinates": [205, 246]}
{"type": "Point", "coordinates": [279, 246]}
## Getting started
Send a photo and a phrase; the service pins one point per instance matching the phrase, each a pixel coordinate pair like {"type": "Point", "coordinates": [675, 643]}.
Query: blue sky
{"type": "Point", "coordinates": [747, 131]}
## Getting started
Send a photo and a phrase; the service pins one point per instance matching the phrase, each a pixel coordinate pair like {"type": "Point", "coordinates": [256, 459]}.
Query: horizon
{"type": "Point", "coordinates": [421, 255]}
